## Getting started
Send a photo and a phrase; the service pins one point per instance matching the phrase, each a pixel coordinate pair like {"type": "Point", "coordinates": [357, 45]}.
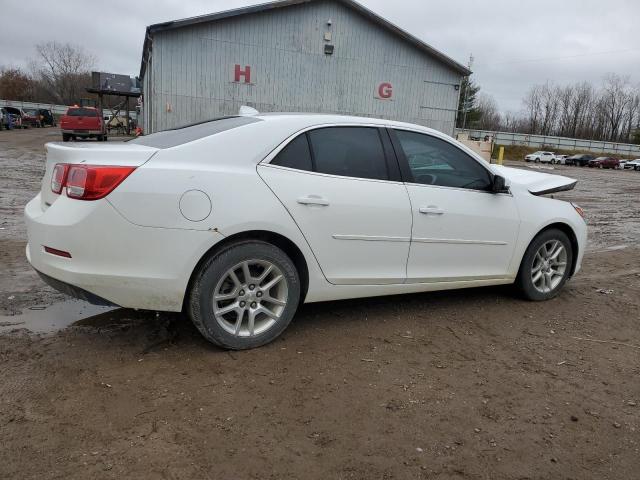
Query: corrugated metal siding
{"type": "Point", "coordinates": [190, 77]}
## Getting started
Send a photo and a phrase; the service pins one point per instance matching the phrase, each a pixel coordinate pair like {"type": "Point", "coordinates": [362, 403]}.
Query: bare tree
{"type": "Point", "coordinates": [615, 100]}
{"type": "Point", "coordinates": [15, 84]}
{"type": "Point", "coordinates": [489, 115]}
{"type": "Point", "coordinates": [533, 102]}
{"type": "Point", "coordinates": [64, 70]}
{"type": "Point", "coordinates": [609, 113]}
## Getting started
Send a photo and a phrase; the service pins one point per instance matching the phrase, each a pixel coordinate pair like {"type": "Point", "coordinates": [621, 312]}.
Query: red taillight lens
{"type": "Point", "coordinates": [55, 251]}
{"type": "Point", "coordinates": [92, 182]}
{"type": "Point", "coordinates": [59, 177]}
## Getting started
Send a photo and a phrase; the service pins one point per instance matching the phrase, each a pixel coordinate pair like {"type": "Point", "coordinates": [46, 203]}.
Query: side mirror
{"type": "Point", "coordinates": [499, 185]}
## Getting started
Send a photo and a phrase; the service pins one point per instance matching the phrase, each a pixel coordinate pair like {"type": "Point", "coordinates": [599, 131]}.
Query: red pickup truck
{"type": "Point", "coordinates": [82, 122]}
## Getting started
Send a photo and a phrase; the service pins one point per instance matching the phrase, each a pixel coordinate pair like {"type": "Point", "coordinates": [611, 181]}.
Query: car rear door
{"type": "Point", "coordinates": [342, 187]}
{"type": "Point", "coordinates": [461, 231]}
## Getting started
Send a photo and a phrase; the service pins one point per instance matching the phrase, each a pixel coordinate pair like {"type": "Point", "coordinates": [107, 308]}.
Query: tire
{"type": "Point", "coordinates": [213, 277]}
{"type": "Point", "coordinates": [553, 162]}
{"type": "Point", "coordinates": [525, 284]}
{"type": "Point", "coordinates": [537, 160]}
{"type": "Point", "coordinates": [600, 166]}
{"type": "Point", "coordinates": [66, 137]}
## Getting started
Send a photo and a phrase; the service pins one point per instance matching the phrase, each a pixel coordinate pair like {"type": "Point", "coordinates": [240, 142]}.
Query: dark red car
{"type": "Point", "coordinates": [604, 162]}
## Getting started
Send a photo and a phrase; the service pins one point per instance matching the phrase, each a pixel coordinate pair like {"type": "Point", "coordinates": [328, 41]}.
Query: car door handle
{"type": "Point", "coordinates": [313, 200]}
{"type": "Point", "coordinates": [431, 210]}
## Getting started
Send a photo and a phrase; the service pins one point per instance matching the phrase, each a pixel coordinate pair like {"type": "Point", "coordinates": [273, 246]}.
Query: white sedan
{"type": "Point", "coordinates": [238, 220]}
{"type": "Point", "coordinates": [631, 164]}
{"type": "Point", "coordinates": [541, 157]}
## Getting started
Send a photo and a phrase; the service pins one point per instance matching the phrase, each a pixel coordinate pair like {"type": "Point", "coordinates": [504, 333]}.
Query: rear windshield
{"type": "Point", "coordinates": [82, 112]}
{"type": "Point", "coordinates": [180, 136]}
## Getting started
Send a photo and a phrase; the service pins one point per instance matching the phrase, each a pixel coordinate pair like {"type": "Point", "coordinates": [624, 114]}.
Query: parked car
{"type": "Point", "coordinates": [604, 162]}
{"type": "Point", "coordinates": [15, 117]}
{"type": "Point", "coordinates": [46, 117]}
{"type": "Point", "coordinates": [579, 160]}
{"type": "Point", "coordinates": [541, 157]}
{"type": "Point", "coordinates": [560, 159]}
{"type": "Point", "coordinates": [239, 220]}
{"type": "Point", "coordinates": [633, 164]}
{"type": "Point", "coordinates": [30, 117]}
{"type": "Point", "coordinates": [82, 122]}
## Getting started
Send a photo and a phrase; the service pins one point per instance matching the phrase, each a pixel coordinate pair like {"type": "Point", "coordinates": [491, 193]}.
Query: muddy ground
{"type": "Point", "coordinates": [471, 384]}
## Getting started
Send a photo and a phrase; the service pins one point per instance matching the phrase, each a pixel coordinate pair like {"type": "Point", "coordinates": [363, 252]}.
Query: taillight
{"type": "Point", "coordinates": [88, 182]}
{"type": "Point", "coordinates": [59, 176]}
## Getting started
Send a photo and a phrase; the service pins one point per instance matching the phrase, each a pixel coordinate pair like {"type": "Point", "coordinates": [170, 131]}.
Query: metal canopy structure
{"type": "Point", "coordinates": [115, 85]}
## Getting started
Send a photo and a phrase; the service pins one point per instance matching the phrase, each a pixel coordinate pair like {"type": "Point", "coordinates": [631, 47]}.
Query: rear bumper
{"type": "Point", "coordinates": [82, 132]}
{"type": "Point", "coordinates": [74, 291]}
{"type": "Point", "coordinates": [113, 260]}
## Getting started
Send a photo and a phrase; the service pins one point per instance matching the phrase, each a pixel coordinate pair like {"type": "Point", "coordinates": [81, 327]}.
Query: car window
{"type": "Point", "coordinates": [433, 161]}
{"type": "Point", "coordinates": [82, 112]}
{"type": "Point", "coordinates": [295, 155]}
{"type": "Point", "coordinates": [349, 152]}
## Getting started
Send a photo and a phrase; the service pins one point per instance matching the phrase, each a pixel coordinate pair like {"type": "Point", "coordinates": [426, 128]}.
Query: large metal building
{"type": "Point", "coordinates": [332, 56]}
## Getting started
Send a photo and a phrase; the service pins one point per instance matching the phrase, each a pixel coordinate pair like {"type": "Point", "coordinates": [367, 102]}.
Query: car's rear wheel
{"type": "Point", "coordinates": [66, 137]}
{"type": "Point", "coordinates": [546, 265]}
{"type": "Point", "coordinates": [244, 296]}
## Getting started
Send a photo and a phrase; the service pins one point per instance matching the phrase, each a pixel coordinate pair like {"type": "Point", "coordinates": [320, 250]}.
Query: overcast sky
{"type": "Point", "coordinates": [515, 43]}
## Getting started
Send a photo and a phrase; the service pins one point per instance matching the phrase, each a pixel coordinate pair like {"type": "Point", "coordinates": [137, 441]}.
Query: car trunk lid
{"type": "Point", "coordinates": [114, 153]}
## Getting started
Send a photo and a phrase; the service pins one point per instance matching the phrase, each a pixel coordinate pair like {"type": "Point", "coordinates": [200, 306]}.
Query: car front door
{"type": "Point", "coordinates": [342, 187]}
{"type": "Point", "coordinates": [461, 231]}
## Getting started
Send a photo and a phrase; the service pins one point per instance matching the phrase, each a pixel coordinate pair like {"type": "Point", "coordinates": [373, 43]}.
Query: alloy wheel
{"type": "Point", "coordinates": [549, 266]}
{"type": "Point", "coordinates": [250, 298]}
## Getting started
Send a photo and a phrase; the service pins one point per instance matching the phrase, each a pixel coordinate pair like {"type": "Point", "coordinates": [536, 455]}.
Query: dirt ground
{"type": "Point", "coordinates": [471, 384]}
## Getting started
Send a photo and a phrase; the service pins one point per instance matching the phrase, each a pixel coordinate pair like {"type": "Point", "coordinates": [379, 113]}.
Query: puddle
{"type": "Point", "coordinates": [60, 315]}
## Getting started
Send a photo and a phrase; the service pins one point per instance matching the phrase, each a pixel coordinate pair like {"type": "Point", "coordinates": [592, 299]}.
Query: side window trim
{"type": "Point", "coordinates": [405, 171]}
{"type": "Point", "coordinates": [407, 175]}
{"type": "Point", "coordinates": [311, 152]}
{"type": "Point", "coordinates": [393, 165]}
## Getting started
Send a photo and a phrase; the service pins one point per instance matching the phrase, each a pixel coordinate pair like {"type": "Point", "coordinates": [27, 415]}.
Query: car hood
{"type": "Point", "coordinates": [536, 182]}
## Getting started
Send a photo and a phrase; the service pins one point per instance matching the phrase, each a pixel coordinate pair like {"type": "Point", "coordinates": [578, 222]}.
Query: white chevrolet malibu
{"type": "Point", "coordinates": [239, 220]}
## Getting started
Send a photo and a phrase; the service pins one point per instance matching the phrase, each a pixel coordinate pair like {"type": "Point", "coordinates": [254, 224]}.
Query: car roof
{"type": "Point", "coordinates": [312, 119]}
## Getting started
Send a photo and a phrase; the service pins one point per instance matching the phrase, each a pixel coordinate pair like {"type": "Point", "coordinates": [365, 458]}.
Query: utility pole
{"type": "Point", "coordinates": [466, 95]}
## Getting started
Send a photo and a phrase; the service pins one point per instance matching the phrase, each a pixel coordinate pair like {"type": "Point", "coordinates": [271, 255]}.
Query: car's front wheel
{"type": "Point", "coordinates": [546, 265]}
{"type": "Point", "coordinates": [244, 296]}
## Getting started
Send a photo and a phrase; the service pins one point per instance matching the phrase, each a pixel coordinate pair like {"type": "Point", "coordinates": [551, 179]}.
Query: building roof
{"type": "Point", "coordinates": [377, 19]}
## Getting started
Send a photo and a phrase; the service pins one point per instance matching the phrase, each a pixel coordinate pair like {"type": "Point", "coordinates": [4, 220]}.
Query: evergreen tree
{"type": "Point", "coordinates": [468, 102]}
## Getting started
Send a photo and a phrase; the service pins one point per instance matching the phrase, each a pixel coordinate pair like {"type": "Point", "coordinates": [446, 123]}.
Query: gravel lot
{"type": "Point", "coordinates": [471, 384]}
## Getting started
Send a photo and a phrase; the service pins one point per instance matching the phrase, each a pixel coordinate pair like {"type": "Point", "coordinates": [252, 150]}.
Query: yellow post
{"type": "Point", "coordinates": [500, 155]}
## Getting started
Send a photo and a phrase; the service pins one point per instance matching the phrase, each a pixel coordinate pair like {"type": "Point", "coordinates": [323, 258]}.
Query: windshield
{"type": "Point", "coordinates": [82, 112]}
{"type": "Point", "coordinates": [190, 133]}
